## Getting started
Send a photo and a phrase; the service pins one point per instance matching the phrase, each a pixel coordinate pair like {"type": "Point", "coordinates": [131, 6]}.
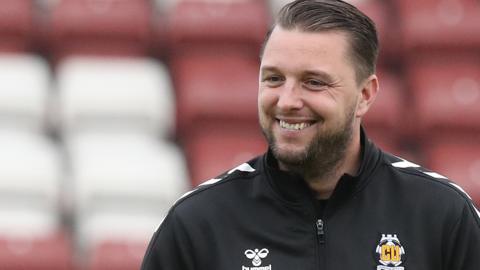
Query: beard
{"type": "Point", "coordinates": [321, 156]}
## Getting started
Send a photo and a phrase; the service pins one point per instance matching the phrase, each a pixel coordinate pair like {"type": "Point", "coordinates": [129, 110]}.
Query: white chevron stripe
{"type": "Point", "coordinates": [405, 164]}
{"type": "Point", "coordinates": [245, 167]}
{"type": "Point", "coordinates": [436, 175]}
{"type": "Point", "coordinates": [211, 181]}
{"type": "Point", "coordinates": [461, 189]}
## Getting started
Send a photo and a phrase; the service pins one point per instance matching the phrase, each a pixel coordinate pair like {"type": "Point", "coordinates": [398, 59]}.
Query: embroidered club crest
{"type": "Point", "coordinates": [390, 253]}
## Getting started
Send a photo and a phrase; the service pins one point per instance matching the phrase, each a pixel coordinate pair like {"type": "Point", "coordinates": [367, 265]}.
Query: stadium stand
{"type": "Point", "coordinates": [113, 93]}
{"type": "Point", "coordinates": [97, 140]}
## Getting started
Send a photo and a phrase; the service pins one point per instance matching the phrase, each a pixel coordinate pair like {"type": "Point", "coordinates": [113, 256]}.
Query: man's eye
{"type": "Point", "coordinates": [315, 84]}
{"type": "Point", "coordinates": [273, 80]}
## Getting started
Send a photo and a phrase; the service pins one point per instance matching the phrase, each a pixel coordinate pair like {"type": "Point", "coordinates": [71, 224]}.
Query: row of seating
{"type": "Point", "coordinates": [107, 186]}
{"type": "Point", "coordinates": [136, 27]}
{"type": "Point", "coordinates": [438, 96]}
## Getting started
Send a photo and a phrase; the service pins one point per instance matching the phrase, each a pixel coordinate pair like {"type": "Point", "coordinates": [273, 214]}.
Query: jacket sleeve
{"type": "Point", "coordinates": [462, 250]}
{"type": "Point", "coordinates": [169, 248]}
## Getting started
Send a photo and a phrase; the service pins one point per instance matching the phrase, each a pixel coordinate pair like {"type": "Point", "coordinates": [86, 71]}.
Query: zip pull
{"type": "Point", "coordinates": [320, 231]}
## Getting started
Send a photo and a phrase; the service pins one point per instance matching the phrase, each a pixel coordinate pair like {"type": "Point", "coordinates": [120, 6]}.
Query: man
{"type": "Point", "coordinates": [323, 196]}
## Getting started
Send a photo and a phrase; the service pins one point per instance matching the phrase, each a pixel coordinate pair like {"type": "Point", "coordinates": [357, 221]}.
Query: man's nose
{"type": "Point", "coordinates": [290, 98]}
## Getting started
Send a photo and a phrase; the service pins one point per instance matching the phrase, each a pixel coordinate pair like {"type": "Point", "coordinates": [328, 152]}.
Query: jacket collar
{"type": "Point", "coordinates": [294, 189]}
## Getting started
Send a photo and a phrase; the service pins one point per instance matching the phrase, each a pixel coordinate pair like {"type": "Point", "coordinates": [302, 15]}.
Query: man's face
{"type": "Point", "coordinates": [308, 97]}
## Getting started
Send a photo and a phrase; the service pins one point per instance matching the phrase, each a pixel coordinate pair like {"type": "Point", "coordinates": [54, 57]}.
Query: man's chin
{"type": "Point", "coordinates": [290, 157]}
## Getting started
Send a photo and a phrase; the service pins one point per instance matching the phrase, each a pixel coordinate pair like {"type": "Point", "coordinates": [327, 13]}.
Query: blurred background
{"type": "Point", "coordinates": [111, 109]}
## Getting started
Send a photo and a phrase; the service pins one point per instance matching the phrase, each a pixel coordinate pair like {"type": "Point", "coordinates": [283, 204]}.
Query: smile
{"type": "Point", "coordinates": [296, 126]}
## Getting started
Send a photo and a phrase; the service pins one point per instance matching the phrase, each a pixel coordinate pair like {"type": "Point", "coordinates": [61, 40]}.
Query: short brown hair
{"type": "Point", "coordinates": [334, 15]}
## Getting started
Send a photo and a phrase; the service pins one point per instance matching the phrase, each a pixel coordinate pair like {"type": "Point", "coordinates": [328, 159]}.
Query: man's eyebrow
{"type": "Point", "coordinates": [269, 68]}
{"type": "Point", "coordinates": [324, 75]}
{"type": "Point", "coordinates": [319, 73]}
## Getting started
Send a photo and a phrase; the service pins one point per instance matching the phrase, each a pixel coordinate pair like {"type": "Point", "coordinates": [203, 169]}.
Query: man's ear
{"type": "Point", "coordinates": [367, 95]}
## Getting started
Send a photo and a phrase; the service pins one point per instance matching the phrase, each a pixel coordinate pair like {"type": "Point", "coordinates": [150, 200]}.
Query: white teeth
{"type": "Point", "coordinates": [298, 126]}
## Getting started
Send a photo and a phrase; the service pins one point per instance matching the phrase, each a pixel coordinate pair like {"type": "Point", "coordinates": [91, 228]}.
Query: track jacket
{"type": "Point", "coordinates": [394, 215]}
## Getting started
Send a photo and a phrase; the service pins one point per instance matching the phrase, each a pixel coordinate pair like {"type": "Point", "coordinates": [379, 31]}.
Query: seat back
{"type": "Point", "coordinates": [115, 94]}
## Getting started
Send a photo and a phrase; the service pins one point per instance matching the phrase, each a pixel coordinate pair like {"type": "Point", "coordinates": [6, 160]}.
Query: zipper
{"type": "Point", "coordinates": [320, 231]}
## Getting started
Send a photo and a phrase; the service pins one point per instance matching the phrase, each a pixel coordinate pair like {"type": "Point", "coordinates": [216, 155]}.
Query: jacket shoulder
{"type": "Point", "coordinates": [213, 190]}
{"type": "Point", "coordinates": [438, 183]}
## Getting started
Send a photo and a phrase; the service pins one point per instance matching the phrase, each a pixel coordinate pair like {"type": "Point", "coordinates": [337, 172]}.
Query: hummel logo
{"type": "Point", "coordinates": [256, 256]}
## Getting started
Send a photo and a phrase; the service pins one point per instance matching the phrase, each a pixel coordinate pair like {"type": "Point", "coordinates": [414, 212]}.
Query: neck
{"type": "Point", "coordinates": [324, 185]}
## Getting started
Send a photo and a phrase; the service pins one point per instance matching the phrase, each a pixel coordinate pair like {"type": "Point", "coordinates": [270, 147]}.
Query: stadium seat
{"type": "Point", "coordinates": [209, 25]}
{"type": "Point", "coordinates": [115, 94]}
{"type": "Point", "coordinates": [214, 147]}
{"type": "Point", "coordinates": [122, 185]}
{"type": "Point", "coordinates": [117, 255]}
{"type": "Point", "coordinates": [457, 158]}
{"type": "Point", "coordinates": [383, 121]}
{"type": "Point", "coordinates": [214, 87]}
{"type": "Point", "coordinates": [16, 25]}
{"type": "Point", "coordinates": [105, 27]}
{"type": "Point", "coordinates": [25, 89]}
{"type": "Point", "coordinates": [446, 24]}
{"type": "Point", "coordinates": [30, 181]}
{"type": "Point", "coordinates": [446, 92]}
{"type": "Point", "coordinates": [47, 252]}
{"type": "Point", "coordinates": [31, 232]}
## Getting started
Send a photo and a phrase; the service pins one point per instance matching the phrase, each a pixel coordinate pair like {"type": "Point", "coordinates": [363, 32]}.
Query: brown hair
{"type": "Point", "coordinates": [334, 15]}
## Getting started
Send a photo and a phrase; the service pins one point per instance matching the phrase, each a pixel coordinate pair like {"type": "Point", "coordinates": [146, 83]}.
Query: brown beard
{"type": "Point", "coordinates": [322, 156]}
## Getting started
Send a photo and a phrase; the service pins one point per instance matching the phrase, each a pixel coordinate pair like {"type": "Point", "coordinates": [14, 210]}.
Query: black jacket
{"type": "Point", "coordinates": [393, 215]}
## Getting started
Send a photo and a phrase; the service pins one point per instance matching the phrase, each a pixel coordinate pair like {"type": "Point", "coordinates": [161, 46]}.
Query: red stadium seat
{"type": "Point", "coordinates": [111, 27]}
{"type": "Point", "coordinates": [16, 25]}
{"type": "Point", "coordinates": [116, 255]}
{"type": "Point", "coordinates": [446, 93]}
{"type": "Point", "coordinates": [214, 87]}
{"type": "Point", "coordinates": [211, 25]}
{"type": "Point", "coordinates": [51, 252]}
{"type": "Point", "coordinates": [458, 158]}
{"type": "Point", "coordinates": [387, 26]}
{"type": "Point", "coordinates": [215, 147]}
{"type": "Point", "coordinates": [431, 24]}
{"type": "Point", "coordinates": [384, 120]}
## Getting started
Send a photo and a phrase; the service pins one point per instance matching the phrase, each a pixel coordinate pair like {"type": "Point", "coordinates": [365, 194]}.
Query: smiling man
{"type": "Point", "coordinates": [311, 103]}
{"type": "Point", "coordinates": [323, 196]}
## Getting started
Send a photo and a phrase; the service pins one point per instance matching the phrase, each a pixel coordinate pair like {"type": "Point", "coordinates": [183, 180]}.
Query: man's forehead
{"type": "Point", "coordinates": [309, 41]}
{"type": "Point", "coordinates": [302, 45]}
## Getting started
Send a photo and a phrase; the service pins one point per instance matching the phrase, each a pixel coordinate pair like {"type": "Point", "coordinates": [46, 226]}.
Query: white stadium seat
{"type": "Point", "coordinates": [123, 185]}
{"type": "Point", "coordinates": [115, 94]}
{"type": "Point", "coordinates": [25, 86]}
{"type": "Point", "coordinates": [30, 182]}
